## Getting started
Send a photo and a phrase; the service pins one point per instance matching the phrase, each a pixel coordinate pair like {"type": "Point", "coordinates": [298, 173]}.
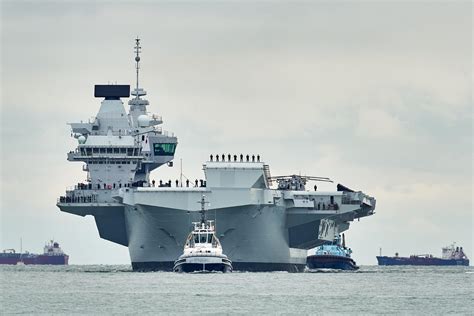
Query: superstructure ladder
{"type": "Point", "coordinates": [266, 171]}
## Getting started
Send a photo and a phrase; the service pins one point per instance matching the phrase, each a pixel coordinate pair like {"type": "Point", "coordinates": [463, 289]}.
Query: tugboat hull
{"type": "Point", "coordinates": [203, 264]}
{"type": "Point", "coordinates": [331, 262]}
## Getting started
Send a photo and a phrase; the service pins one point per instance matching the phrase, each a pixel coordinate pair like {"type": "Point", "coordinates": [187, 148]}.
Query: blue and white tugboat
{"type": "Point", "coordinates": [332, 256]}
{"type": "Point", "coordinates": [202, 250]}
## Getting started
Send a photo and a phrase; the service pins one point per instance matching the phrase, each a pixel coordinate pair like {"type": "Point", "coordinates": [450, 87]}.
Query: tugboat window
{"type": "Point", "coordinates": [203, 238]}
{"type": "Point", "coordinates": [196, 238]}
{"type": "Point", "coordinates": [164, 149]}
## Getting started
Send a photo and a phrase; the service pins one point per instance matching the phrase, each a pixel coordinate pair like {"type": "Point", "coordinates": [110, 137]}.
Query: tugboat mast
{"type": "Point", "coordinates": [203, 209]}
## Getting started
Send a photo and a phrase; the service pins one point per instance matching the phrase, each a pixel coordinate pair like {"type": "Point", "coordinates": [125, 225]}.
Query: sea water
{"type": "Point", "coordinates": [101, 289]}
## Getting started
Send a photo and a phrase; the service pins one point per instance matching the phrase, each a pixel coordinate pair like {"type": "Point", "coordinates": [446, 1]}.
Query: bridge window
{"type": "Point", "coordinates": [164, 149]}
{"type": "Point", "coordinates": [211, 239]}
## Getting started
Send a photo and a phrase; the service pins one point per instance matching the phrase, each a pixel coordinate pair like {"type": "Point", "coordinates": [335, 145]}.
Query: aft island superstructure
{"type": "Point", "coordinates": [264, 223]}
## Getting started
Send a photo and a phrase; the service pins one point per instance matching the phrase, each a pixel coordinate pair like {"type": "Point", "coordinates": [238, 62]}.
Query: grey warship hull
{"type": "Point", "coordinates": [253, 236]}
{"type": "Point", "coordinates": [270, 231]}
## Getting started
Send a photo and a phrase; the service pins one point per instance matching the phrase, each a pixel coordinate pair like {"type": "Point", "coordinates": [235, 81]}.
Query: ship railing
{"type": "Point", "coordinates": [349, 201]}
{"type": "Point", "coordinates": [80, 187]}
{"type": "Point", "coordinates": [78, 199]}
{"type": "Point", "coordinates": [321, 206]}
{"type": "Point", "coordinates": [112, 156]}
{"type": "Point", "coordinates": [202, 254]}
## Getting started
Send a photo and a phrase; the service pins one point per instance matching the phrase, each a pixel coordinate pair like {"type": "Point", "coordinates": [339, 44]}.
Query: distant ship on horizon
{"type": "Point", "coordinates": [451, 256]}
{"type": "Point", "coordinates": [52, 254]}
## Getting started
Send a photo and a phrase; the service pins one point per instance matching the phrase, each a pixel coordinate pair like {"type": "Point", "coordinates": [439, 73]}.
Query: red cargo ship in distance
{"type": "Point", "coordinates": [451, 256]}
{"type": "Point", "coordinates": [52, 254]}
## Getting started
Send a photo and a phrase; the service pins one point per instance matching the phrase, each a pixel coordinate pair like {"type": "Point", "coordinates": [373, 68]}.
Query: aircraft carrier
{"type": "Point", "coordinates": [264, 223]}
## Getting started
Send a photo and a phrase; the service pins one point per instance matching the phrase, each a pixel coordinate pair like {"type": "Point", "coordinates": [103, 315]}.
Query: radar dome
{"type": "Point", "coordinates": [81, 139]}
{"type": "Point", "coordinates": [143, 120]}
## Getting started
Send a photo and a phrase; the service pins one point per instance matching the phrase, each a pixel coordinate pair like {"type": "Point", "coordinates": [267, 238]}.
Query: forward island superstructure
{"type": "Point", "coordinates": [260, 226]}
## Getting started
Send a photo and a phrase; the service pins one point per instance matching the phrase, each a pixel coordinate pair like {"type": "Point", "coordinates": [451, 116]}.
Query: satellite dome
{"type": "Point", "coordinates": [143, 120]}
{"type": "Point", "coordinates": [81, 139]}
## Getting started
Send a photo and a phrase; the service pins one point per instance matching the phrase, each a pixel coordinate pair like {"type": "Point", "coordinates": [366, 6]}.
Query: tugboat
{"type": "Point", "coordinates": [332, 256]}
{"type": "Point", "coordinates": [202, 250]}
{"type": "Point", "coordinates": [451, 256]}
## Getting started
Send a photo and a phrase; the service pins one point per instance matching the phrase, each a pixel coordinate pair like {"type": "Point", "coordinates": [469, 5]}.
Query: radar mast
{"type": "Point", "coordinates": [138, 92]}
{"type": "Point", "coordinates": [138, 50]}
{"type": "Point", "coordinates": [137, 104]}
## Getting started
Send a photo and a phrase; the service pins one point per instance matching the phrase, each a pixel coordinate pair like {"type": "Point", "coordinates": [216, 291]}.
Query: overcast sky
{"type": "Point", "coordinates": [377, 96]}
